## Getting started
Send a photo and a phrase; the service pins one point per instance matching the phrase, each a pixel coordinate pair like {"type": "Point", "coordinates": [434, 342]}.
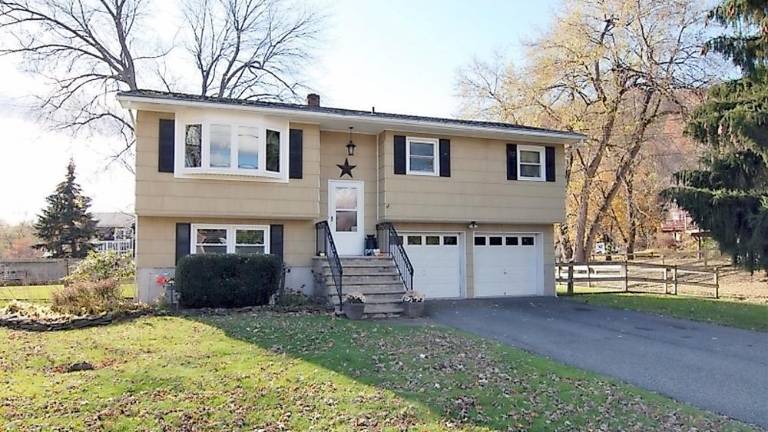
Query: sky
{"type": "Point", "coordinates": [397, 55]}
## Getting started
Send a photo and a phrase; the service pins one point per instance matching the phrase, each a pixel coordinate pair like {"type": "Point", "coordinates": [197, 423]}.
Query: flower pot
{"type": "Point", "coordinates": [413, 309]}
{"type": "Point", "coordinates": [354, 311]}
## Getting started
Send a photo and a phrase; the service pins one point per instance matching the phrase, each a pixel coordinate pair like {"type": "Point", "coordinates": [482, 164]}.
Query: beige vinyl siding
{"type": "Point", "coordinates": [163, 194]}
{"type": "Point", "coordinates": [547, 245]}
{"type": "Point", "coordinates": [477, 190]}
{"type": "Point", "coordinates": [334, 151]}
{"type": "Point", "coordinates": [156, 237]}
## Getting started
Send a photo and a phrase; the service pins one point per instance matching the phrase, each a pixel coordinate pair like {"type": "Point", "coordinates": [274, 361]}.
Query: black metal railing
{"type": "Point", "coordinates": [390, 242]}
{"type": "Point", "coordinates": [327, 248]}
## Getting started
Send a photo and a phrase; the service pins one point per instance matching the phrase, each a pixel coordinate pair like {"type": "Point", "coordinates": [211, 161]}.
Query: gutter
{"type": "Point", "coordinates": [127, 102]}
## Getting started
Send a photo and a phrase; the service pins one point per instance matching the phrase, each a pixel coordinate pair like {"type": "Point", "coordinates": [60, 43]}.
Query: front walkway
{"type": "Point", "coordinates": [721, 369]}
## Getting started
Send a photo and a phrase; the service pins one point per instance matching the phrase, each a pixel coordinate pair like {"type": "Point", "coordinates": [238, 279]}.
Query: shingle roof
{"type": "Point", "coordinates": [154, 94]}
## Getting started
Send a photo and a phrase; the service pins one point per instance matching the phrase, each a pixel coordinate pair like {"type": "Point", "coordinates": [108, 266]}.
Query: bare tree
{"type": "Point", "coordinates": [249, 49]}
{"type": "Point", "coordinates": [85, 50]}
{"type": "Point", "coordinates": [88, 50]}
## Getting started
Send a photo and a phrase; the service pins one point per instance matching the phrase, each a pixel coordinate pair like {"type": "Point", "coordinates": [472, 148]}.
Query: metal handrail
{"type": "Point", "coordinates": [390, 242]}
{"type": "Point", "coordinates": [325, 246]}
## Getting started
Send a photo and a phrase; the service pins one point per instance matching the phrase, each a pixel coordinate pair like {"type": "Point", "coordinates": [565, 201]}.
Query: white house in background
{"type": "Point", "coordinates": [114, 232]}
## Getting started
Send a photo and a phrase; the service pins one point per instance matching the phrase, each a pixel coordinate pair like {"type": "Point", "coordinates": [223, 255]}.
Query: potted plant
{"type": "Point", "coordinates": [354, 306]}
{"type": "Point", "coordinates": [413, 304]}
{"type": "Point", "coordinates": [170, 294]}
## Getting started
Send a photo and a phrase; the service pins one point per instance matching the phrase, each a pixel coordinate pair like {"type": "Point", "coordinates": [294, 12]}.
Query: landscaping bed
{"type": "Point", "coordinates": [301, 371]}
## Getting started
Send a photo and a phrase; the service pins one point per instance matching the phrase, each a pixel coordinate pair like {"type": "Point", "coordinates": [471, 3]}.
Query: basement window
{"type": "Point", "coordinates": [229, 239]}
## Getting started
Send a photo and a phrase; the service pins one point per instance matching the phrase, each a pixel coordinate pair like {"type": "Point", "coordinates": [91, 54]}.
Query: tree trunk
{"type": "Point", "coordinates": [631, 216]}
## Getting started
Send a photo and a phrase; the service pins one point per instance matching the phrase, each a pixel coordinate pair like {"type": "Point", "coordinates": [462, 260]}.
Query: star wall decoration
{"type": "Point", "coordinates": [346, 168]}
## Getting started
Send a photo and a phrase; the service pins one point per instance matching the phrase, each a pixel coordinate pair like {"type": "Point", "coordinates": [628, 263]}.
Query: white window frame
{"type": "Point", "coordinates": [542, 163]}
{"type": "Point", "coordinates": [231, 235]}
{"type": "Point", "coordinates": [205, 169]}
{"type": "Point", "coordinates": [435, 149]}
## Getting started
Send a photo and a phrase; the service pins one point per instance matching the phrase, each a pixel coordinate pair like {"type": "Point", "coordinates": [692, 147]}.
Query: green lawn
{"type": "Point", "coordinates": [309, 372]}
{"type": "Point", "coordinates": [742, 314]}
{"type": "Point", "coordinates": [42, 293]}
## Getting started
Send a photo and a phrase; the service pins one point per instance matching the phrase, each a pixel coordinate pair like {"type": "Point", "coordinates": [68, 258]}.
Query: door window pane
{"type": "Point", "coordinates": [450, 240]}
{"type": "Point", "coordinates": [494, 241]}
{"type": "Point", "coordinates": [220, 138]}
{"type": "Point", "coordinates": [192, 145]}
{"type": "Point", "coordinates": [479, 241]}
{"type": "Point", "coordinates": [248, 147]}
{"type": "Point", "coordinates": [273, 151]}
{"type": "Point", "coordinates": [414, 240]}
{"type": "Point", "coordinates": [346, 221]}
{"type": "Point", "coordinates": [433, 240]}
{"type": "Point", "coordinates": [527, 241]}
{"type": "Point", "coordinates": [346, 198]}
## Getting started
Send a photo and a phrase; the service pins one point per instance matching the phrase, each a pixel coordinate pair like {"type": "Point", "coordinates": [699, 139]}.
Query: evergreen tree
{"type": "Point", "coordinates": [729, 196]}
{"type": "Point", "coordinates": [65, 226]}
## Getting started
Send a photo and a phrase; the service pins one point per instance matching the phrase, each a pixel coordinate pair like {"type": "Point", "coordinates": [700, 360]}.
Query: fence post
{"type": "Point", "coordinates": [666, 284]}
{"type": "Point", "coordinates": [717, 282]}
{"type": "Point", "coordinates": [570, 279]}
{"type": "Point", "coordinates": [589, 276]}
{"type": "Point", "coordinates": [626, 277]}
{"type": "Point", "coordinates": [674, 278]}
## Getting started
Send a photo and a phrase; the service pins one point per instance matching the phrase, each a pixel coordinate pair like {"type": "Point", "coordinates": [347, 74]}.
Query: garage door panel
{"type": "Point", "coordinates": [510, 267]}
{"type": "Point", "coordinates": [436, 263]}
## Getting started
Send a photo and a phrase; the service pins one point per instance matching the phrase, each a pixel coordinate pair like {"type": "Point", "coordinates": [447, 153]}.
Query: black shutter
{"type": "Point", "coordinates": [549, 163]}
{"type": "Point", "coordinates": [183, 233]}
{"type": "Point", "coordinates": [276, 240]}
{"type": "Point", "coordinates": [399, 154]}
{"type": "Point", "coordinates": [165, 146]}
{"type": "Point", "coordinates": [511, 161]}
{"type": "Point", "coordinates": [445, 158]}
{"type": "Point", "coordinates": [295, 153]}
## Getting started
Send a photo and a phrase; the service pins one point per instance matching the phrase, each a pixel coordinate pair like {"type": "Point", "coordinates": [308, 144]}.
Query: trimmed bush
{"type": "Point", "coordinates": [103, 265]}
{"type": "Point", "coordinates": [227, 280]}
{"type": "Point", "coordinates": [87, 297]}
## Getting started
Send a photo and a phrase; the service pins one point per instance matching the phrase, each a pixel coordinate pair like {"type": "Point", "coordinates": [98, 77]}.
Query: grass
{"type": "Point", "coordinates": [741, 314]}
{"type": "Point", "coordinates": [272, 372]}
{"type": "Point", "coordinates": [42, 293]}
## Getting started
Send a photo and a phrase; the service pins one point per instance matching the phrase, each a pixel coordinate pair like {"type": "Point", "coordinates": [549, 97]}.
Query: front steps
{"type": "Point", "coordinates": [376, 278]}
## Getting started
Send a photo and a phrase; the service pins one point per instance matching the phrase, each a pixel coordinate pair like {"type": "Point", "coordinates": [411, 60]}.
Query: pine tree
{"type": "Point", "coordinates": [65, 226]}
{"type": "Point", "coordinates": [729, 196]}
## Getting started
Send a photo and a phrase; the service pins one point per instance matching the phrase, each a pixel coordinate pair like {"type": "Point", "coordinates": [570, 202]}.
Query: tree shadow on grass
{"type": "Point", "coordinates": [406, 375]}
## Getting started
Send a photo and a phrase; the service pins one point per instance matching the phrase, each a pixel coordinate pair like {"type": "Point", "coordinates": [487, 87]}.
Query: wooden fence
{"type": "Point", "coordinates": [671, 277]}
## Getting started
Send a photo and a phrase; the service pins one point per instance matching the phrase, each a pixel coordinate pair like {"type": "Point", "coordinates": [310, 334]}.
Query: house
{"type": "Point", "coordinates": [472, 202]}
{"type": "Point", "coordinates": [114, 232]}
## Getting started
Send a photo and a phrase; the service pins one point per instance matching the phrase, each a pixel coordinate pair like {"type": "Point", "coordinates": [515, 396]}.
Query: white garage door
{"type": "Point", "coordinates": [436, 259]}
{"type": "Point", "coordinates": [508, 265]}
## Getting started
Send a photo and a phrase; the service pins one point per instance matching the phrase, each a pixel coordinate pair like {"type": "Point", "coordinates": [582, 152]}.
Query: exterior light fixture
{"type": "Point", "coordinates": [472, 225]}
{"type": "Point", "coordinates": [351, 146]}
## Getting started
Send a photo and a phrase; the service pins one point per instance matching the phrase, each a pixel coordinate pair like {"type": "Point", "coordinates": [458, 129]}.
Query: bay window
{"type": "Point", "coordinates": [233, 239]}
{"type": "Point", "coordinates": [217, 147]}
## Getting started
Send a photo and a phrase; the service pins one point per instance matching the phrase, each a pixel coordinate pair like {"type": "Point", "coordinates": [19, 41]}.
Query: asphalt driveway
{"type": "Point", "coordinates": [721, 369]}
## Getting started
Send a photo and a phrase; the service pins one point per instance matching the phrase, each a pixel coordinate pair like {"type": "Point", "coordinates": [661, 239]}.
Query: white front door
{"type": "Point", "coordinates": [345, 216]}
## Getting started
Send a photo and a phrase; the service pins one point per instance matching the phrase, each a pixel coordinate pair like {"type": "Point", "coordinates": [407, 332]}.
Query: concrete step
{"type": "Point", "coordinates": [371, 298]}
{"type": "Point", "coordinates": [364, 271]}
{"type": "Point", "coordinates": [371, 288]}
{"type": "Point", "coordinates": [368, 279]}
{"type": "Point", "coordinates": [379, 310]}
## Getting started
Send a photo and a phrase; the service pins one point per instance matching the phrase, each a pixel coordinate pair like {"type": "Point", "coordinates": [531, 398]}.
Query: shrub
{"type": "Point", "coordinates": [103, 265]}
{"type": "Point", "coordinates": [227, 280]}
{"type": "Point", "coordinates": [87, 297]}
